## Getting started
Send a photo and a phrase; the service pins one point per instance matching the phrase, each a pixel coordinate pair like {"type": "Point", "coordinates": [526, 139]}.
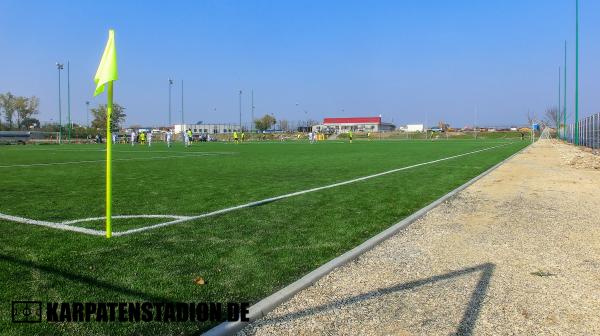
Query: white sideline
{"type": "Point", "coordinates": [95, 161]}
{"type": "Point", "coordinates": [182, 219]}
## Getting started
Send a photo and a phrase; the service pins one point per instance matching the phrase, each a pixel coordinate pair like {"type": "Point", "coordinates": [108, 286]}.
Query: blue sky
{"type": "Point", "coordinates": [405, 60]}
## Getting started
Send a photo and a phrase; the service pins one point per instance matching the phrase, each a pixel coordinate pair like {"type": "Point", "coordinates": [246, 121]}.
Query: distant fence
{"type": "Point", "coordinates": [589, 131]}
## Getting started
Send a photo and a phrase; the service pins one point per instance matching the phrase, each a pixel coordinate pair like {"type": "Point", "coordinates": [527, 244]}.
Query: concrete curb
{"type": "Point", "coordinates": [266, 305]}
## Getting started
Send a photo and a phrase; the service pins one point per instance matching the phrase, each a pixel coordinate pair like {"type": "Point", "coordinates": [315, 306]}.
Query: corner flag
{"type": "Point", "coordinates": [107, 70]}
{"type": "Point", "coordinates": [105, 75]}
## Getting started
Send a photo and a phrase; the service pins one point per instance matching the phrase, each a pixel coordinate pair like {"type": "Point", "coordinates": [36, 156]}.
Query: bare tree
{"type": "Point", "coordinates": [552, 117]}
{"type": "Point", "coordinates": [531, 118]}
{"type": "Point", "coordinates": [284, 124]}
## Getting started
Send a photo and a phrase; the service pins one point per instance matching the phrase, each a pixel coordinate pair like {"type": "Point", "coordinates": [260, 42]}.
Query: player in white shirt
{"type": "Point", "coordinates": [114, 138]}
{"type": "Point", "coordinates": [132, 138]}
{"type": "Point", "coordinates": [149, 138]}
{"type": "Point", "coordinates": [184, 138]}
{"type": "Point", "coordinates": [169, 139]}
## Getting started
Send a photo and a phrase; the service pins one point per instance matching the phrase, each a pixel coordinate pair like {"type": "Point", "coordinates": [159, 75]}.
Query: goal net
{"type": "Point", "coordinates": [44, 137]}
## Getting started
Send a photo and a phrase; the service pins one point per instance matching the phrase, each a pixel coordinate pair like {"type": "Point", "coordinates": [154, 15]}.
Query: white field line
{"type": "Point", "coordinates": [103, 150]}
{"type": "Point", "coordinates": [96, 161]}
{"type": "Point", "coordinates": [182, 219]}
{"type": "Point", "coordinates": [267, 200]}
{"type": "Point", "coordinates": [90, 219]}
{"type": "Point", "coordinates": [51, 225]}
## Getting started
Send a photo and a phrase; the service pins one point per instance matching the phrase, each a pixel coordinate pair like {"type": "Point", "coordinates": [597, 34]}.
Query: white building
{"type": "Point", "coordinates": [359, 124]}
{"type": "Point", "coordinates": [207, 128]}
{"type": "Point", "coordinates": [414, 128]}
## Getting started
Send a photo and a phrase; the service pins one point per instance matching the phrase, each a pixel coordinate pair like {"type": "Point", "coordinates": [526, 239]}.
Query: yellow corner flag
{"type": "Point", "coordinates": [107, 70]}
{"type": "Point", "coordinates": [105, 75]}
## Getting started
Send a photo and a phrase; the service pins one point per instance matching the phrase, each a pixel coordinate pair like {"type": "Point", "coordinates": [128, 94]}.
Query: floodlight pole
{"type": "Point", "coordinates": [59, 67]}
{"type": "Point", "coordinates": [170, 85]}
{"type": "Point", "coordinates": [559, 109]}
{"type": "Point", "coordinates": [576, 141]}
{"type": "Point", "coordinates": [182, 120]}
{"type": "Point", "coordinates": [240, 105]}
{"type": "Point", "coordinates": [565, 96]}
{"type": "Point", "coordinates": [69, 101]}
{"type": "Point", "coordinates": [475, 127]}
{"type": "Point", "coordinates": [252, 123]}
{"type": "Point", "coordinates": [87, 113]}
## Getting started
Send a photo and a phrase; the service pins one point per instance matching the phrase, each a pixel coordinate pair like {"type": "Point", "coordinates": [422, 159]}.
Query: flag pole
{"type": "Point", "coordinates": [105, 75]}
{"type": "Point", "coordinates": [109, 107]}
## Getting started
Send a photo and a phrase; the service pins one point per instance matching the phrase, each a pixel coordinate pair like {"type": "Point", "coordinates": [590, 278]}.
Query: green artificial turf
{"type": "Point", "coordinates": [245, 255]}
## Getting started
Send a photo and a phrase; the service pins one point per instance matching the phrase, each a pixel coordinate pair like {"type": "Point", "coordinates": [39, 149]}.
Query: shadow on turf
{"type": "Point", "coordinates": [83, 279]}
{"type": "Point", "coordinates": [470, 315]}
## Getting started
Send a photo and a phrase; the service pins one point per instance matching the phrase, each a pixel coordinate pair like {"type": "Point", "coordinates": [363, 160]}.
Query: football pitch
{"type": "Point", "coordinates": [248, 218]}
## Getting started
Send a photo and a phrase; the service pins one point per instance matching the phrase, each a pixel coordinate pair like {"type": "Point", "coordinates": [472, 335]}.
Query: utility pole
{"type": "Point", "coordinates": [69, 100]}
{"type": "Point", "coordinates": [59, 67]}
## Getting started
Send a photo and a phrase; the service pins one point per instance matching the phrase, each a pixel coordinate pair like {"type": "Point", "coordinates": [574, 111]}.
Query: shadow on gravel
{"type": "Point", "coordinates": [467, 323]}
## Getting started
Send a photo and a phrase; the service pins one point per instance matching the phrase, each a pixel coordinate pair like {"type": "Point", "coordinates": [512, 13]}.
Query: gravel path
{"type": "Point", "coordinates": [516, 253]}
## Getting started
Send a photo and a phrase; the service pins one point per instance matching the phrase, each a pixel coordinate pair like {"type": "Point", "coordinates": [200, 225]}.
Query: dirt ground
{"type": "Point", "coordinates": [516, 253]}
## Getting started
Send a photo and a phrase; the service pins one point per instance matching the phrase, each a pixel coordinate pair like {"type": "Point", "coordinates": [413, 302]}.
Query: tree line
{"type": "Point", "coordinates": [18, 112]}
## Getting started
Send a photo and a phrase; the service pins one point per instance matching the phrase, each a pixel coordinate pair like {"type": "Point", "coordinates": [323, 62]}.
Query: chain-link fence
{"type": "Point", "coordinates": [589, 131]}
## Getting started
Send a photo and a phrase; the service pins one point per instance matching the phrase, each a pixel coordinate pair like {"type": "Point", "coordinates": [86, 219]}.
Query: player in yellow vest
{"type": "Point", "coordinates": [350, 136]}
{"type": "Point", "coordinates": [243, 136]}
{"type": "Point", "coordinates": [189, 135]}
{"type": "Point", "coordinates": [235, 137]}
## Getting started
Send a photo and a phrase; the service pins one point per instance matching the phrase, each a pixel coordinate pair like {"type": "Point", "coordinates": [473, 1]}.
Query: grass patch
{"type": "Point", "coordinates": [243, 255]}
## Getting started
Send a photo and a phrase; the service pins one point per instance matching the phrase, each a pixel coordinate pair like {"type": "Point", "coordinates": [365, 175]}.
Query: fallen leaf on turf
{"type": "Point", "coordinates": [199, 281]}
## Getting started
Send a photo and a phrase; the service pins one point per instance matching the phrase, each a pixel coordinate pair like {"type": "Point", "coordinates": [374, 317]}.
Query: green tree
{"type": "Point", "coordinates": [30, 122]}
{"type": "Point", "coordinates": [265, 122]}
{"type": "Point", "coordinates": [7, 103]}
{"type": "Point", "coordinates": [117, 118]}
{"type": "Point", "coordinates": [25, 108]}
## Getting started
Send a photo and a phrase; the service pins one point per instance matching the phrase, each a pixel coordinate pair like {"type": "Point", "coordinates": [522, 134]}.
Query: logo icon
{"type": "Point", "coordinates": [26, 311]}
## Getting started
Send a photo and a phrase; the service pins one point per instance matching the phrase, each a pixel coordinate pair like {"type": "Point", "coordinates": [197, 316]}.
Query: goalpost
{"type": "Point", "coordinates": [44, 137]}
